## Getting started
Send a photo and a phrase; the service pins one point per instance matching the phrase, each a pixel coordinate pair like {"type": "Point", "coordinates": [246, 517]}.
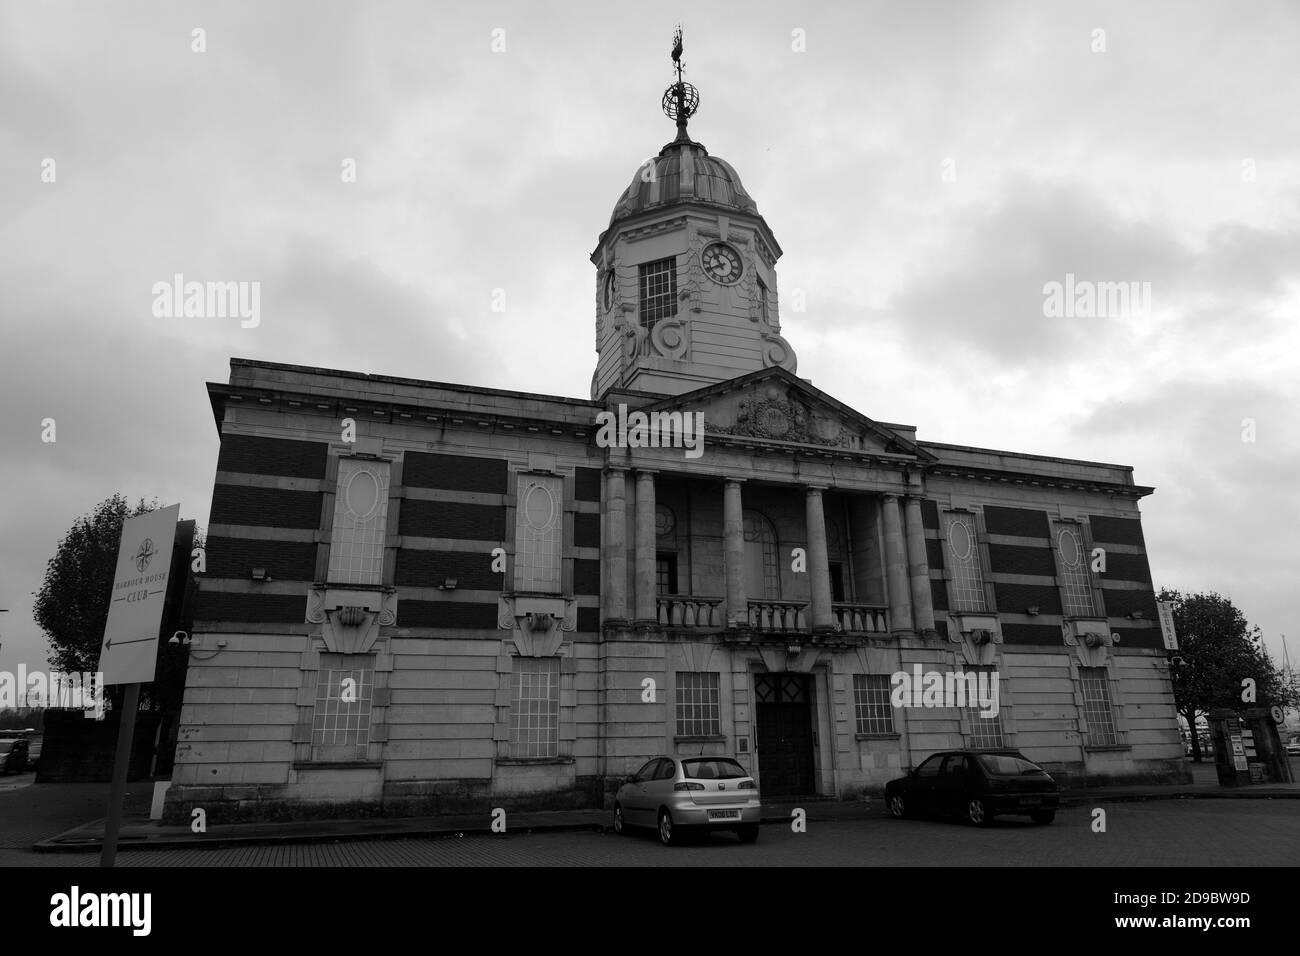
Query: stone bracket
{"type": "Point", "coordinates": [350, 618]}
{"type": "Point", "coordinates": [1091, 637]}
{"type": "Point", "coordinates": [978, 635]}
{"type": "Point", "coordinates": [537, 622]}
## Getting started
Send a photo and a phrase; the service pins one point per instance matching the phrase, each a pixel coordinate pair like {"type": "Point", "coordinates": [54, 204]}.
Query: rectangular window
{"type": "Point", "coordinates": [360, 522]}
{"type": "Point", "coordinates": [535, 707]}
{"type": "Point", "coordinates": [539, 533]}
{"type": "Point", "coordinates": [658, 283]}
{"type": "Point", "coordinates": [985, 732]}
{"type": "Point", "coordinates": [1076, 582]}
{"type": "Point", "coordinates": [871, 701]}
{"type": "Point", "coordinates": [666, 573]}
{"type": "Point", "coordinates": [762, 302]}
{"type": "Point", "coordinates": [341, 722]}
{"type": "Point", "coordinates": [964, 560]}
{"type": "Point", "coordinates": [1097, 709]}
{"type": "Point", "coordinates": [698, 704]}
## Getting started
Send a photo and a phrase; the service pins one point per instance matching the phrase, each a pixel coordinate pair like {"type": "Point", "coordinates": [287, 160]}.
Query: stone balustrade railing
{"type": "Point", "coordinates": [778, 615]}
{"type": "Point", "coordinates": [689, 611]}
{"type": "Point", "coordinates": [861, 618]}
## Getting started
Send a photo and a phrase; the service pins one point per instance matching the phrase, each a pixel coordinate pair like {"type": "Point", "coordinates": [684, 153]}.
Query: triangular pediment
{"type": "Point", "coordinates": [774, 404]}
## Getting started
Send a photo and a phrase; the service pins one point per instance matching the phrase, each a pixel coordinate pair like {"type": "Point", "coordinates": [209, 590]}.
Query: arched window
{"type": "Point", "coordinates": [762, 579]}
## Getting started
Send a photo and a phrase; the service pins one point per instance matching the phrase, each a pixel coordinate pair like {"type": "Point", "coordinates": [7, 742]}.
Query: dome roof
{"type": "Point", "coordinates": [684, 172]}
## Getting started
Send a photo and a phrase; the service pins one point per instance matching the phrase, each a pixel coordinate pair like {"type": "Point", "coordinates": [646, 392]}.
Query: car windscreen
{"type": "Point", "coordinates": [713, 768]}
{"type": "Point", "coordinates": [1004, 765]}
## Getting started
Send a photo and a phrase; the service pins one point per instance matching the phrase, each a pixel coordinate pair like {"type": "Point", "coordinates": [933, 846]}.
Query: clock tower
{"type": "Point", "coordinates": [686, 292]}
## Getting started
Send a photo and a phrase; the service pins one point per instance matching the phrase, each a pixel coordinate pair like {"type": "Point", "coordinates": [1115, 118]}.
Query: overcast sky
{"type": "Point", "coordinates": [1171, 157]}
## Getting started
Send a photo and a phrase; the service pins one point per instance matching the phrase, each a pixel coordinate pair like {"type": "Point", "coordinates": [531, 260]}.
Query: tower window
{"type": "Point", "coordinates": [762, 302]}
{"type": "Point", "coordinates": [658, 284]}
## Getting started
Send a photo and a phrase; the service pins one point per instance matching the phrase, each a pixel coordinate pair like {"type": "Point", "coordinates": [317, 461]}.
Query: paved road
{"type": "Point", "coordinates": [1155, 833]}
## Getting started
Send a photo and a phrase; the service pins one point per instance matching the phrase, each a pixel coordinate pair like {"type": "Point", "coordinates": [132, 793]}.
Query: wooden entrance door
{"type": "Point", "coordinates": [783, 711]}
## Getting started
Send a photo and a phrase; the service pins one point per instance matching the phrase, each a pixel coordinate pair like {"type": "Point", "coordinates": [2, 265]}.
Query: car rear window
{"type": "Point", "coordinates": [713, 768]}
{"type": "Point", "coordinates": [1005, 765]}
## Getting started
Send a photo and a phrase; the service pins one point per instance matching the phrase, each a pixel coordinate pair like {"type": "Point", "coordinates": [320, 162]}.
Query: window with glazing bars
{"type": "Point", "coordinates": [762, 302]}
{"type": "Point", "coordinates": [539, 533]}
{"type": "Point", "coordinates": [1097, 709]}
{"type": "Point", "coordinates": [985, 732]}
{"type": "Point", "coordinates": [964, 559]}
{"type": "Point", "coordinates": [535, 707]}
{"type": "Point", "coordinates": [345, 689]}
{"type": "Point", "coordinates": [1076, 583]}
{"type": "Point", "coordinates": [658, 284]}
{"type": "Point", "coordinates": [698, 704]}
{"type": "Point", "coordinates": [360, 518]}
{"type": "Point", "coordinates": [666, 573]}
{"type": "Point", "coordinates": [871, 701]}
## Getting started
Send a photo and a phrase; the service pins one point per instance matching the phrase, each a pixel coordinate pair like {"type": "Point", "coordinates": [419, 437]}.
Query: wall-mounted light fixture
{"type": "Point", "coordinates": [182, 639]}
{"type": "Point", "coordinates": [1032, 610]}
{"type": "Point", "coordinates": [259, 574]}
{"type": "Point", "coordinates": [448, 584]}
{"type": "Point", "coordinates": [1134, 615]}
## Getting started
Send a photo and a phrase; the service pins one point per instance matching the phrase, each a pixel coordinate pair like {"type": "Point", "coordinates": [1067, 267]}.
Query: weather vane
{"type": "Point", "coordinates": [681, 100]}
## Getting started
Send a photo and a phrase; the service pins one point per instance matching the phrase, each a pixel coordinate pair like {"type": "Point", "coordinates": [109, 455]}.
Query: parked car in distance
{"type": "Point", "coordinates": [699, 794]}
{"type": "Point", "coordinates": [34, 751]}
{"type": "Point", "coordinates": [13, 754]}
{"type": "Point", "coordinates": [977, 785]}
{"type": "Point", "coordinates": [1293, 748]}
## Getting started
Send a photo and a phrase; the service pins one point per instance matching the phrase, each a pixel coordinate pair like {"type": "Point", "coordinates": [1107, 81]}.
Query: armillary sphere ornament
{"type": "Point", "coordinates": [681, 101]}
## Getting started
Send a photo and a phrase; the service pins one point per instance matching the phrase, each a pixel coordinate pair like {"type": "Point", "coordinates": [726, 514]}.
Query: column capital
{"type": "Point", "coordinates": [733, 481]}
{"type": "Point", "coordinates": [891, 496]}
{"type": "Point", "coordinates": [646, 472]}
{"type": "Point", "coordinates": [815, 489]}
{"type": "Point", "coordinates": [615, 469]}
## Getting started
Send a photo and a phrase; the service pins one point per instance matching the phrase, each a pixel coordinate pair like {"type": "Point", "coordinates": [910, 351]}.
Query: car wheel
{"type": "Point", "coordinates": [977, 813]}
{"type": "Point", "coordinates": [897, 808]}
{"type": "Point", "coordinates": [748, 833]}
{"type": "Point", "coordinates": [620, 825]}
{"type": "Point", "coordinates": [1043, 816]}
{"type": "Point", "coordinates": [666, 834]}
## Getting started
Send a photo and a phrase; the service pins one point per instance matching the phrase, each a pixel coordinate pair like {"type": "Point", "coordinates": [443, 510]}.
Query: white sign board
{"type": "Point", "coordinates": [1166, 610]}
{"type": "Point", "coordinates": [144, 557]}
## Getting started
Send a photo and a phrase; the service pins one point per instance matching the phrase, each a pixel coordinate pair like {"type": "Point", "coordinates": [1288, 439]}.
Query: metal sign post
{"type": "Point", "coordinates": [130, 649]}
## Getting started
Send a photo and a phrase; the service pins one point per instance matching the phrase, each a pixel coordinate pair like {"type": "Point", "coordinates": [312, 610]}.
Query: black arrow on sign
{"type": "Point", "coordinates": [108, 644]}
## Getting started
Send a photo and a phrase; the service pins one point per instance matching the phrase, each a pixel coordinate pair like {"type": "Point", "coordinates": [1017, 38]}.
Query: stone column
{"type": "Point", "coordinates": [918, 567]}
{"type": "Point", "coordinates": [614, 559]}
{"type": "Point", "coordinates": [646, 607]}
{"type": "Point", "coordinates": [819, 569]}
{"type": "Point", "coordinates": [900, 600]}
{"type": "Point", "coordinates": [733, 552]}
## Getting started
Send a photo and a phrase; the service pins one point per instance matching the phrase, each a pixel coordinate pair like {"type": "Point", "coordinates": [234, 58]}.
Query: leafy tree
{"type": "Point", "coordinates": [72, 604]}
{"type": "Point", "coordinates": [1217, 649]}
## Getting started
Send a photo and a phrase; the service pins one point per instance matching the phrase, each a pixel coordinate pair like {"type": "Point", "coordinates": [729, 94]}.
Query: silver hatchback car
{"type": "Point", "coordinates": [699, 793]}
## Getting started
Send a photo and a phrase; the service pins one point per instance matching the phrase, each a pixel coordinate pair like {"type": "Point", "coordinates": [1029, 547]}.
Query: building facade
{"type": "Point", "coordinates": [430, 597]}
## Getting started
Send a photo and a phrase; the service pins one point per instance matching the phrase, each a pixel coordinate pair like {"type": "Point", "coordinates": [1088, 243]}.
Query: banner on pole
{"type": "Point", "coordinates": [1166, 609]}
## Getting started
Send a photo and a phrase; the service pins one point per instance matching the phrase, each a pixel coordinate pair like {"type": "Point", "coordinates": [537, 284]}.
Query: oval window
{"type": "Point", "coordinates": [539, 508]}
{"type": "Point", "coordinates": [1069, 545]}
{"type": "Point", "coordinates": [959, 539]}
{"type": "Point", "coordinates": [362, 496]}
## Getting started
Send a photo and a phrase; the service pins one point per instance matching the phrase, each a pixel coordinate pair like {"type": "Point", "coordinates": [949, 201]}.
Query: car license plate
{"type": "Point", "coordinates": [724, 814]}
{"type": "Point", "coordinates": [1029, 801]}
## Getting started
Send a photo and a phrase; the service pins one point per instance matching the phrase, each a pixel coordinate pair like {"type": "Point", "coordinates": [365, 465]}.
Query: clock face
{"type": "Point", "coordinates": [608, 292]}
{"type": "Point", "coordinates": [721, 263]}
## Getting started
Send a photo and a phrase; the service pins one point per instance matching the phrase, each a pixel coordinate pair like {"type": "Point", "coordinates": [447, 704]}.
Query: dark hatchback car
{"type": "Point", "coordinates": [13, 754]}
{"type": "Point", "coordinates": [977, 785]}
